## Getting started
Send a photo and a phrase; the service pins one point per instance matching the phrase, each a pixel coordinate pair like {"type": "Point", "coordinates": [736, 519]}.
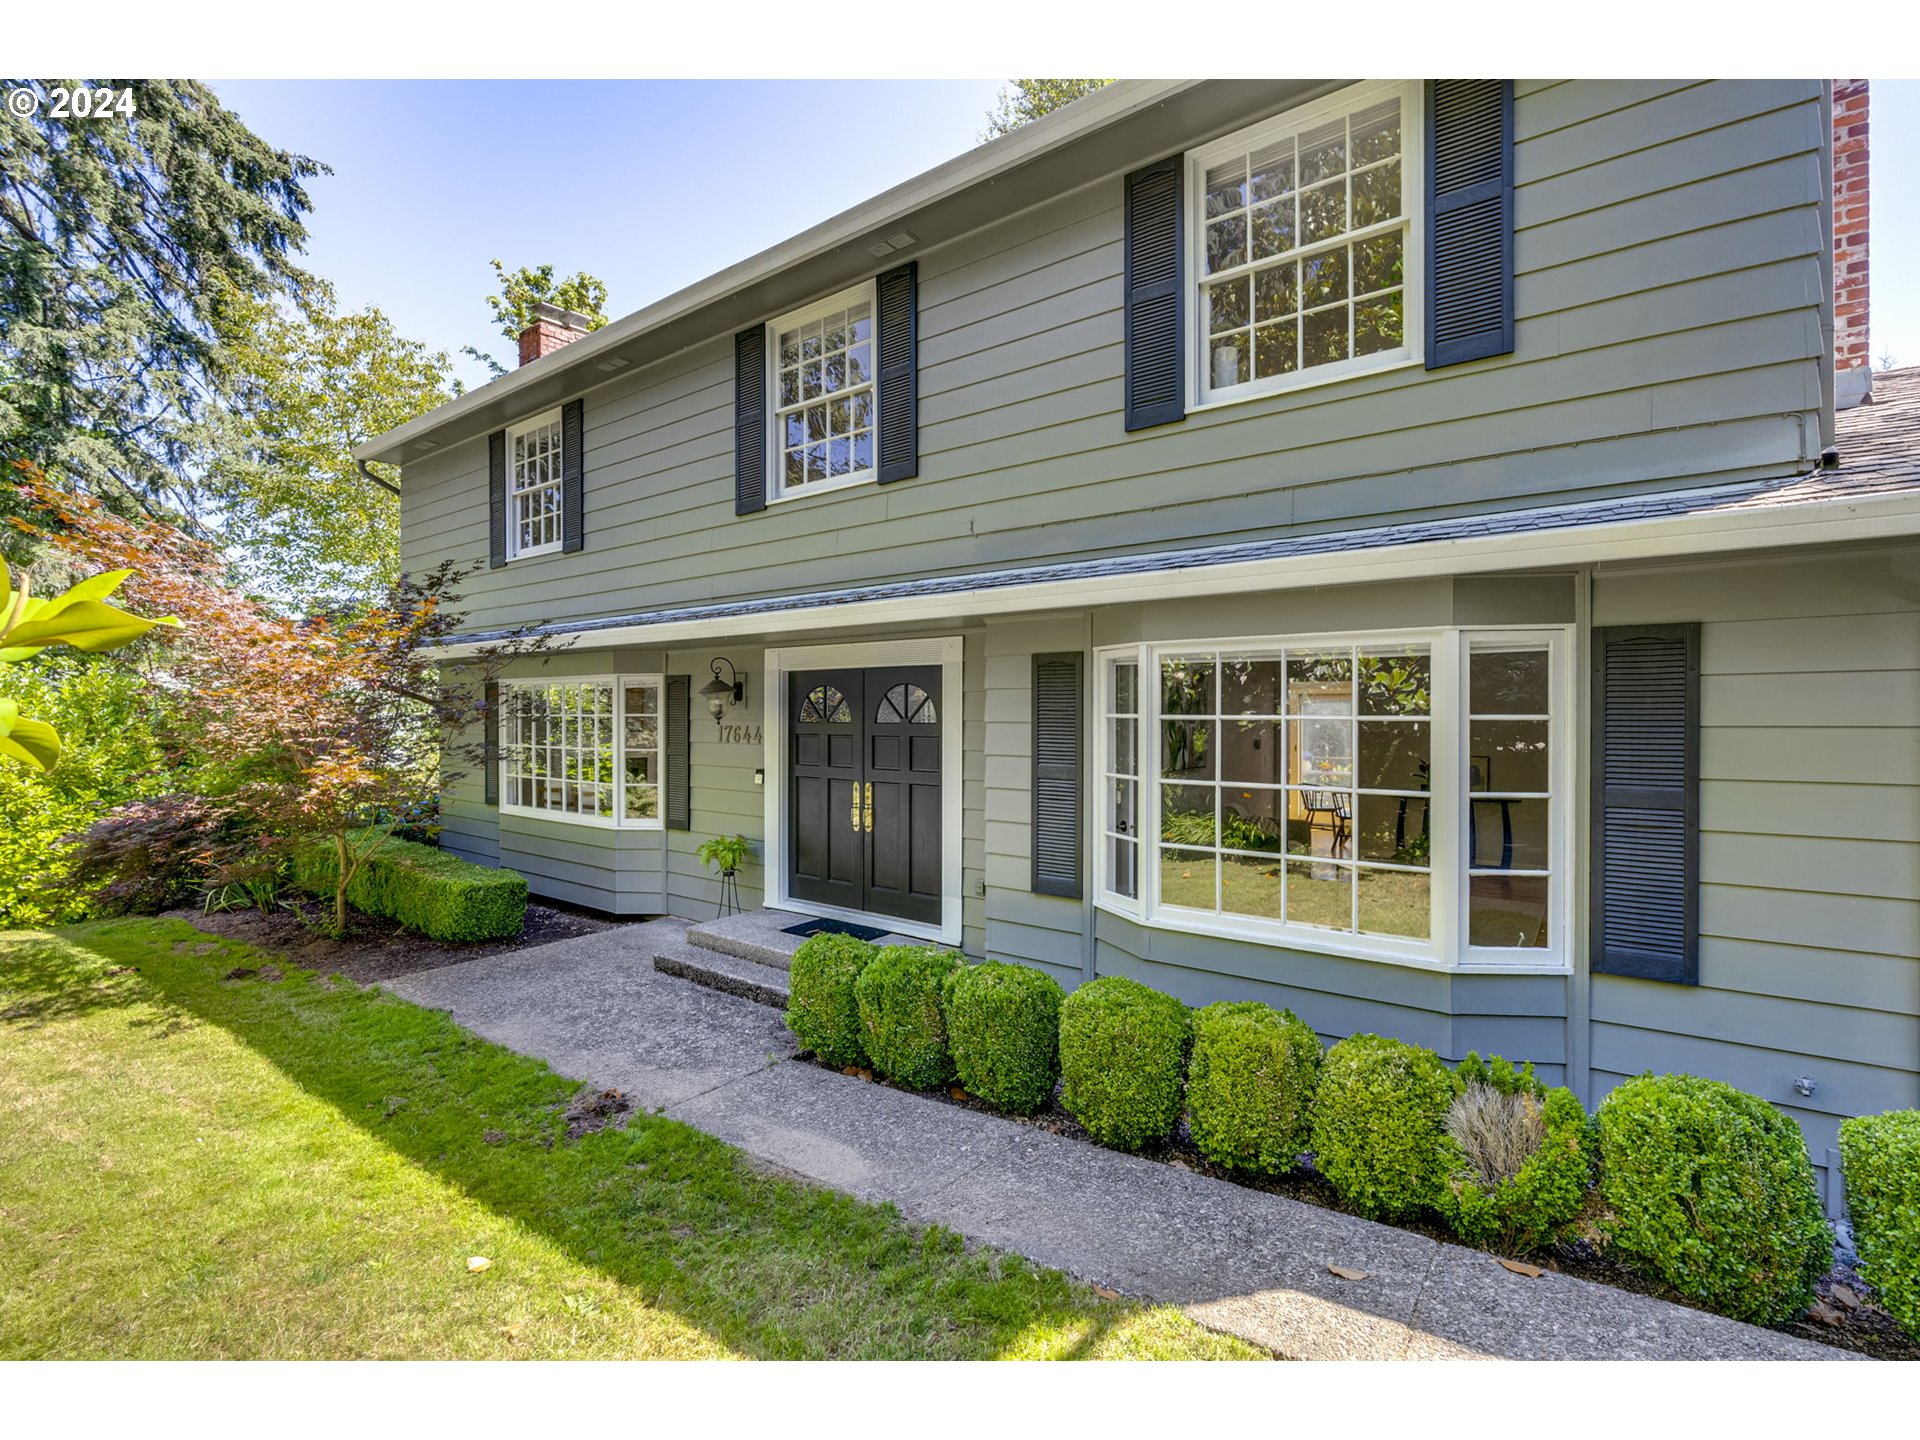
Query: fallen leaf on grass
{"type": "Point", "coordinates": [1105, 1294]}
{"type": "Point", "coordinates": [1520, 1267]}
{"type": "Point", "coordinates": [477, 1263]}
{"type": "Point", "coordinates": [1345, 1274]}
{"type": "Point", "coordinates": [512, 1332]}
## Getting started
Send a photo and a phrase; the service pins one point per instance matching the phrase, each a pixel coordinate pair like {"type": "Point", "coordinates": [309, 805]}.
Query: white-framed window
{"type": "Point", "coordinates": [535, 504]}
{"type": "Point", "coordinates": [585, 749]}
{"type": "Point", "coordinates": [820, 369]}
{"type": "Point", "coordinates": [1304, 255]}
{"type": "Point", "coordinates": [1394, 796]}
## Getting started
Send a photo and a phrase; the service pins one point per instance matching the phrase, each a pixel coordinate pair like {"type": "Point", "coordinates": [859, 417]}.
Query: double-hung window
{"type": "Point", "coordinates": [821, 361]}
{"type": "Point", "coordinates": [534, 495]}
{"type": "Point", "coordinates": [1303, 255]}
{"type": "Point", "coordinates": [585, 750]}
{"type": "Point", "coordinates": [1400, 797]}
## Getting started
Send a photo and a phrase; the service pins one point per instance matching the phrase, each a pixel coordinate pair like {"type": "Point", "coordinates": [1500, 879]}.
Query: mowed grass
{"type": "Point", "coordinates": [192, 1166]}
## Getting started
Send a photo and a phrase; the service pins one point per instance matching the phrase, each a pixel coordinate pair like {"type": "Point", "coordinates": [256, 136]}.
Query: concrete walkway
{"type": "Point", "coordinates": [1235, 1259]}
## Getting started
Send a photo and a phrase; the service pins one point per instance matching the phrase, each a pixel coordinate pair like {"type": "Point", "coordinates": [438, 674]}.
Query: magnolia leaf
{"type": "Point", "coordinates": [31, 742]}
{"type": "Point", "coordinates": [1521, 1267]}
{"type": "Point", "coordinates": [89, 625]}
{"type": "Point", "coordinates": [1348, 1274]}
{"type": "Point", "coordinates": [98, 587]}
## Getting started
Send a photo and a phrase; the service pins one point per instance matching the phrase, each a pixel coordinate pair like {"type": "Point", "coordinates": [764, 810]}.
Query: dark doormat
{"type": "Point", "coordinates": [833, 927]}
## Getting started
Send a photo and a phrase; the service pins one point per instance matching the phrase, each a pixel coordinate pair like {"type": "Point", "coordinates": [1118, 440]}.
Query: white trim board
{"type": "Point", "coordinates": [1874, 517]}
{"type": "Point", "coordinates": [949, 653]}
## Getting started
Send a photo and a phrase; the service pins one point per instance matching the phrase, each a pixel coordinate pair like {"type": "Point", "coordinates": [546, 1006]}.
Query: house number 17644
{"type": "Point", "coordinates": [739, 734]}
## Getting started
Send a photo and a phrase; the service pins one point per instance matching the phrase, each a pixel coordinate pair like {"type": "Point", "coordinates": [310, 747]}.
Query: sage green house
{"type": "Point", "coordinates": [1425, 554]}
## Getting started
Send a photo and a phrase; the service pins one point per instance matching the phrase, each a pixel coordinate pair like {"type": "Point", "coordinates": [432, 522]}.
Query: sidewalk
{"type": "Point", "coordinates": [1235, 1259]}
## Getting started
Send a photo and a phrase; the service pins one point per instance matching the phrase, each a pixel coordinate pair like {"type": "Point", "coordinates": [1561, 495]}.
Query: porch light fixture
{"type": "Point", "coordinates": [721, 693]}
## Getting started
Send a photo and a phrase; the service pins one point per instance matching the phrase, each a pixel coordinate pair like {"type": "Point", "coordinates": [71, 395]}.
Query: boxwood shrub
{"type": "Point", "coordinates": [1250, 1085]}
{"type": "Point", "coordinates": [1003, 1022]}
{"type": "Point", "coordinates": [1380, 1125]}
{"type": "Point", "coordinates": [1880, 1162]}
{"type": "Point", "coordinates": [1122, 1049]}
{"type": "Point", "coordinates": [424, 888]}
{"type": "Point", "coordinates": [1710, 1189]}
{"type": "Point", "coordinates": [822, 1012]}
{"type": "Point", "coordinates": [1528, 1208]}
{"type": "Point", "coordinates": [901, 1023]}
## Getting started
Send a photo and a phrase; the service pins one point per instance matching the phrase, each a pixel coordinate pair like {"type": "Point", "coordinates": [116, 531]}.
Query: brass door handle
{"type": "Point", "coordinates": [853, 816]}
{"type": "Point", "coordinates": [869, 807]}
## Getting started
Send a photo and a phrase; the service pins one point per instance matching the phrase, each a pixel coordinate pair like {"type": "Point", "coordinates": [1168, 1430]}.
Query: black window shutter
{"type": "Point", "coordinates": [897, 371]}
{"type": "Point", "coordinates": [490, 743]}
{"type": "Point", "coordinates": [1057, 748]}
{"type": "Point", "coordinates": [573, 469]}
{"type": "Point", "coordinates": [497, 499]}
{"type": "Point", "coordinates": [678, 807]}
{"type": "Point", "coordinates": [1646, 802]}
{"type": "Point", "coordinates": [1469, 220]}
{"type": "Point", "coordinates": [750, 420]}
{"type": "Point", "coordinates": [1155, 226]}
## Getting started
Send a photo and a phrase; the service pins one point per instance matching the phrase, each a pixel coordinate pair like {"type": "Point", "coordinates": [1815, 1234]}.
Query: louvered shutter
{"type": "Point", "coordinates": [897, 371]}
{"type": "Point", "coordinates": [678, 808]}
{"type": "Point", "coordinates": [1469, 220]}
{"type": "Point", "coordinates": [490, 744]}
{"type": "Point", "coordinates": [1154, 224]}
{"type": "Point", "coordinates": [497, 499]}
{"type": "Point", "coordinates": [750, 420]}
{"type": "Point", "coordinates": [1057, 784]}
{"type": "Point", "coordinates": [1646, 809]}
{"type": "Point", "coordinates": [573, 471]}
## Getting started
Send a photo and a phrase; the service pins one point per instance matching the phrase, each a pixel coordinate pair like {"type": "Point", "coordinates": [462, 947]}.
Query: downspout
{"type": "Point", "coordinates": [366, 474]}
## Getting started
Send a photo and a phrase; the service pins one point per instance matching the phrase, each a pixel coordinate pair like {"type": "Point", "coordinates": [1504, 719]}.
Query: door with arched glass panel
{"type": "Point", "coordinates": [865, 790]}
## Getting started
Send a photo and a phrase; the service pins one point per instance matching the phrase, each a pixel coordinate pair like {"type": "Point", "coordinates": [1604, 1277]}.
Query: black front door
{"type": "Point", "coordinates": [865, 790]}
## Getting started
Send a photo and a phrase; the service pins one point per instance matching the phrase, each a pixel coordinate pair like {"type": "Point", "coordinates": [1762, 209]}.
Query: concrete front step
{"type": "Point", "coordinates": [760, 936]}
{"type": "Point", "coordinates": [729, 974]}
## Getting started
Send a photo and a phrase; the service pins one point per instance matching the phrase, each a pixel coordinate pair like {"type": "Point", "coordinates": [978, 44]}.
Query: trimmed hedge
{"type": "Point", "coordinates": [1122, 1049]}
{"type": "Point", "coordinates": [1380, 1125]}
{"type": "Point", "coordinates": [1710, 1189]}
{"type": "Point", "coordinates": [901, 1023]}
{"type": "Point", "coordinates": [1880, 1161]}
{"type": "Point", "coordinates": [1250, 1085]}
{"type": "Point", "coordinates": [822, 1012]}
{"type": "Point", "coordinates": [1003, 1022]}
{"type": "Point", "coordinates": [424, 888]}
{"type": "Point", "coordinates": [1530, 1208]}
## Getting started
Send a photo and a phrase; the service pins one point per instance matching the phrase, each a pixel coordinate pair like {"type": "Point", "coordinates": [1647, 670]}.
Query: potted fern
{"type": "Point", "coordinates": [727, 853]}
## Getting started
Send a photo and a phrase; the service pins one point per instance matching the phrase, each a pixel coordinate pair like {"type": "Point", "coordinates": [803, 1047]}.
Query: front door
{"type": "Point", "coordinates": [865, 790]}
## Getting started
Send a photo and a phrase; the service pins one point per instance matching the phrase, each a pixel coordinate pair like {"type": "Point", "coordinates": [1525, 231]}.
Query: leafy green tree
{"type": "Point", "coordinates": [118, 237]}
{"type": "Point", "coordinates": [113, 724]}
{"type": "Point", "coordinates": [1021, 101]}
{"type": "Point", "coordinates": [528, 286]}
{"type": "Point", "coordinates": [308, 384]}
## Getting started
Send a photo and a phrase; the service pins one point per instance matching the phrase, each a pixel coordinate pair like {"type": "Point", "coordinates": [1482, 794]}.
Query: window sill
{"type": "Point", "coordinates": [1331, 944]}
{"type": "Point", "coordinates": [1253, 391]}
{"type": "Point", "coordinates": [598, 822]}
{"type": "Point", "coordinates": [534, 554]}
{"type": "Point", "coordinates": [828, 487]}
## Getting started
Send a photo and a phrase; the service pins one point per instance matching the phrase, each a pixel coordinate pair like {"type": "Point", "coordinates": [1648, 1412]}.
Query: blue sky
{"type": "Point", "coordinates": [649, 185]}
{"type": "Point", "coordinates": [652, 185]}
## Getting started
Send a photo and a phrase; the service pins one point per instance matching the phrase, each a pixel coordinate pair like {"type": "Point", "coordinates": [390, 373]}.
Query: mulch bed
{"type": "Point", "coordinates": [375, 949]}
{"type": "Point", "coordinates": [1842, 1315]}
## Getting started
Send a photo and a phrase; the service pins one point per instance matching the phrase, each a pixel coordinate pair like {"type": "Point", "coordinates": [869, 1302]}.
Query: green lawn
{"type": "Point", "coordinates": [194, 1166]}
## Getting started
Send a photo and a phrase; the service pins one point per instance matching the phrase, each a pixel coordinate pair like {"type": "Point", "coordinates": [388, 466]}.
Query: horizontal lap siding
{"type": "Point", "coordinates": [1668, 329]}
{"type": "Point", "coordinates": [1810, 844]}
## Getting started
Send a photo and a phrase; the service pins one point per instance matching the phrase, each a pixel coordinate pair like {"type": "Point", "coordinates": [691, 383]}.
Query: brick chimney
{"type": "Point", "coordinates": [1852, 352]}
{"type": "Point", "coordinates": [553, 327]}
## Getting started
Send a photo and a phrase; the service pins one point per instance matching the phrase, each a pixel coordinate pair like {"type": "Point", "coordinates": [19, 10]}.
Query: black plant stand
{"type": "Point", "coordinates": [729, 893]}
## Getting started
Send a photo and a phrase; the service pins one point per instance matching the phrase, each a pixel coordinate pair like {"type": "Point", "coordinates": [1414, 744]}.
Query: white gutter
{"type": "Point", "coordinates": [1730, 530]}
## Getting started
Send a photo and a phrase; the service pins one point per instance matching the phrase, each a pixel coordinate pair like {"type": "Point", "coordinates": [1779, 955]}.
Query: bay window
{"type": "Point", "coordinates": [1394, 796]}
{"type": "Point", "coordinates": [584, 750]}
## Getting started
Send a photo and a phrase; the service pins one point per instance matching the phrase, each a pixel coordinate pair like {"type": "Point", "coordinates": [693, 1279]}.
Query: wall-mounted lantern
{"type": "Point", "coordinates": [721, 693]}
